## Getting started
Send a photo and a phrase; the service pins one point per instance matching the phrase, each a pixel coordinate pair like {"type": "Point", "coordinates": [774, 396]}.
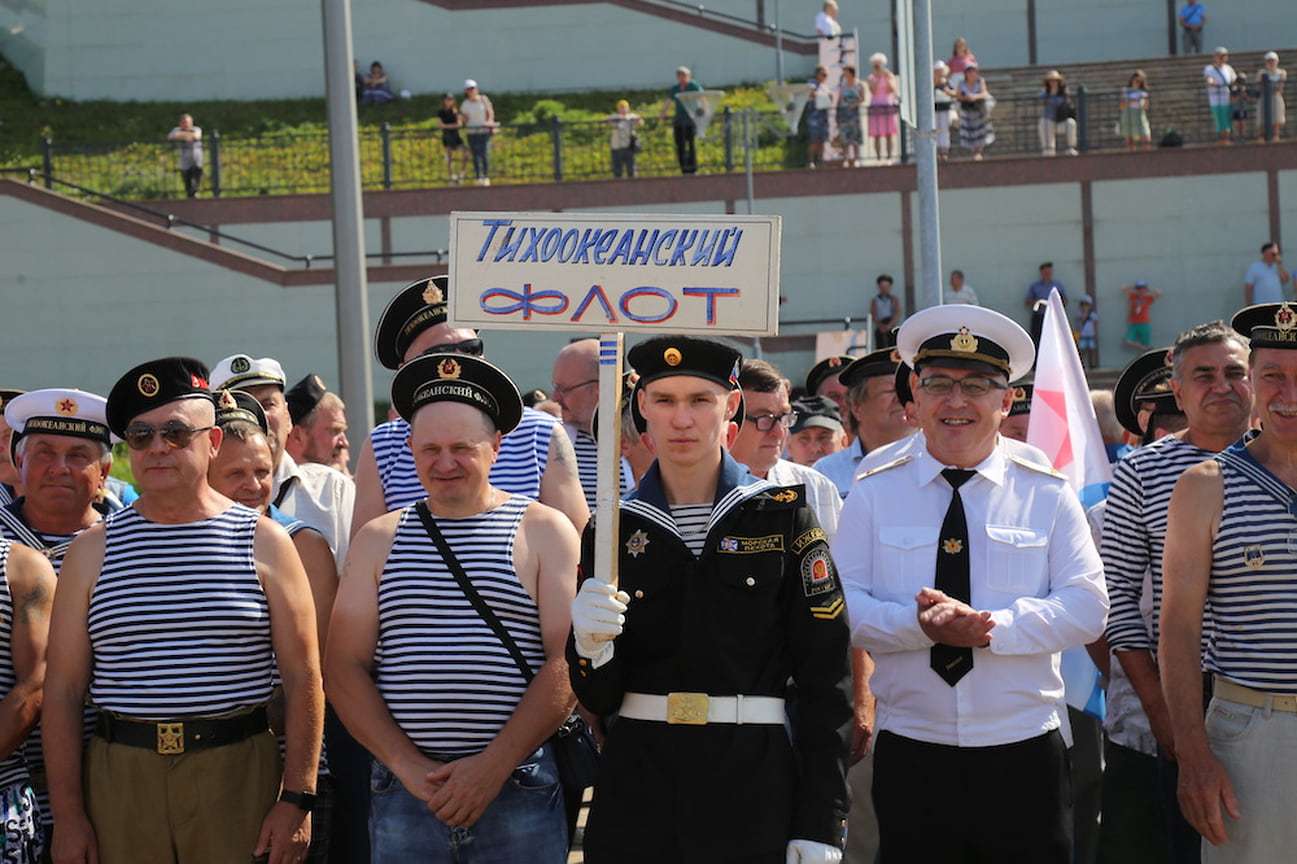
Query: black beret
{"type": "Point", "coordinates": [1268, 325]}
{"type": "Point", "coordinates": [453, 377]}
{"type": "Point", "coordinates": [1147, 378]}
{"type": "Point", "coordinates": [417, 307]}
{"type": "Point", "coordinates": [234, 405]}
{"type": "Point", "coordinates": [155, 383]}
{"type": "Point", "coordinates": [303, 396]}
{"type": "Point", "coordinates": [829, 366]}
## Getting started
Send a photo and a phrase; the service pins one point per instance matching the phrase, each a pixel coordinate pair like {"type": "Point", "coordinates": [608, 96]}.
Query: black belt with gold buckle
{"type": "Point", "coordinates": [171, 738]}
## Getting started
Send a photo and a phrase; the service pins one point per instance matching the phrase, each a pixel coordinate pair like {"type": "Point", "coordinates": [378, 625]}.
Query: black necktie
{"type": "Point", "coordinates": [949, 662]}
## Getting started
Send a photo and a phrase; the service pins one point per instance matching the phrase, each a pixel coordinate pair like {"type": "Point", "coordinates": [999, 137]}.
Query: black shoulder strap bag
{"type": "Point", "coordinates": [573, 744]}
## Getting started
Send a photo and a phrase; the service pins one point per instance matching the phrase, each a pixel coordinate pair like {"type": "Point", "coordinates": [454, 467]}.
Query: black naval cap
{"type": "Point", "coordinates": [303, 396]}
{"type": "Point", "coordinates": [454, 377]}
{"type": "Point", "coordinates": [239, 405]}
{"type": "Point", "coordinates": [7, 395]}
{"type": "Point", "coordinates": [829, 367]}
{"type": "Point", "coordinates": [816, 411]}
{"type": "Point", "coordinates": [966, 337]}
{"type": "Point", "coordinates": [1268, 325]}
{"type": "Point", "coordinates": [665, 356]}
{"type": "Point", "coordinates": [874, 364]}
{"type": "Point", "coordinates": [1021, 399]}
{"type": "Point", "coordinates": [157, 382]}
{"type": "Point", "coordinates": [415, 308]}
{"type": "Point", "coordinates": [1147, 378]}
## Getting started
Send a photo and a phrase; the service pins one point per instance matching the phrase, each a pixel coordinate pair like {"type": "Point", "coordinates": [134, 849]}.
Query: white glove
{"type": "Point", "coordinates": [597, 619]}
{"type": "Point", "coordinates": [810, 852]}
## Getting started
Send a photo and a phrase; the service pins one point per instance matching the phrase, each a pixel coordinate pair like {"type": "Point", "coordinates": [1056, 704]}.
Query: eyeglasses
{"type": "Point", "coordinates": [766, 422]}
{"type": "Point", "coordinates": [468, 346]}
{"type": "Point", "coordinates": [140, 435]}
{"type": "Point", "coordinates": [973, 386]}
{"type": "Point", "coordinates": [556, 390]}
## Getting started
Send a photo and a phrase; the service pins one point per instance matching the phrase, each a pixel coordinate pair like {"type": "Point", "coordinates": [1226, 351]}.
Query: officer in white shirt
{"type": "Point", "coordinates": [966, 613]}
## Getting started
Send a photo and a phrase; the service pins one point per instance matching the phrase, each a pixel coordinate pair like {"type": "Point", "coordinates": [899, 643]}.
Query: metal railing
{"type": "Point", "coordinates": [555, 151]}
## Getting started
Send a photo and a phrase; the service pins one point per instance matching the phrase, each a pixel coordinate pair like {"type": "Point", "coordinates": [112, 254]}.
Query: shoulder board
{"type": "Point", "coordinates": [886, 466]}
{"type": "Point", "coordinates": [1037, 467]}
{"type": "Point", "coordinates": [781, 497]}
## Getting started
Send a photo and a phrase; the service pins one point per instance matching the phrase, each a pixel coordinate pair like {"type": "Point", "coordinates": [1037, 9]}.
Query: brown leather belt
{"type": "Point", "coordinates": [173, 737]}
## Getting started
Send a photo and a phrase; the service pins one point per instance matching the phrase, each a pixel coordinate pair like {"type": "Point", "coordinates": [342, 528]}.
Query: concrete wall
{"type": "Point", "coordinates": [84, 303]}
{"type": "Point", "coordinates": [244, 49]}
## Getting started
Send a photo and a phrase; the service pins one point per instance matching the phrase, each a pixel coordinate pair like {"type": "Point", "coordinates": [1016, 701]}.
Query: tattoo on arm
{"type": "Point", "coordinates": [562, 452]}
{"type": "Point", "coordinates": [35, 603]}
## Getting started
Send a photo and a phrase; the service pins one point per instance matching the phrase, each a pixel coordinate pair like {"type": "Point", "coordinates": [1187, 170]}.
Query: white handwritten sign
{"type": "Point", "coordinates": [615, 272]}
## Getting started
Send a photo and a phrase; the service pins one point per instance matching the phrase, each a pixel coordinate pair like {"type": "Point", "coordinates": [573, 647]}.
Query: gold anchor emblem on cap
{"type": "Point", "coordinates": [964, 341]}
{"type": "Point", "coordinates": [240, 364]}
{"type": "Point", "coordinates": [672, 356]}
{"type": "Point", "coordinates": [432, 295]}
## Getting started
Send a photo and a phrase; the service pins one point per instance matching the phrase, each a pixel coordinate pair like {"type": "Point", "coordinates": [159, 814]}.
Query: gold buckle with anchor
{"type": "Point", "coordinates": [689, 709]}
{"type": "Point", "coordinates": [171, 739]}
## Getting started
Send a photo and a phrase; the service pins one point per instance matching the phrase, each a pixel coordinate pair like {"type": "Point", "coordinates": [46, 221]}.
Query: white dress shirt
{"type": "Point", "coordinates": [1034, 567]}
{"type": "Point", "coordinates": [321, 497]}
{"type": "Point", "coordinates": [821, 494]}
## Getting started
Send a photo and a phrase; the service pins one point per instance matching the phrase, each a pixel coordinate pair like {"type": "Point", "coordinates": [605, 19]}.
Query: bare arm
{"type": "Point", "coordinates": [560, 486]}
{"type": "Point", "coordinates": [1193, 519]}
{"type": "Point", "coordinates": [322, 574]}
{"type": "Point", "coordinates": [545, 555]}
{"type": "Point", "coordinates": [862, 737]}
{"type": "Point", "coordinates": [286, 830]}
{"type": "Point", "coordinates": [66, 681]}
{"type": "Point", "coordinates": [31, 584]}
{"type": "Point", "coordinates": [370, 500]}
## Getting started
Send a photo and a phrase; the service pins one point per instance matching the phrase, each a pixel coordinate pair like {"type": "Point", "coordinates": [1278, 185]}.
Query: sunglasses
{"type": "Point", "coordinates": [177, 435]}
{"type": "Point", "coordinates": [468, 346]}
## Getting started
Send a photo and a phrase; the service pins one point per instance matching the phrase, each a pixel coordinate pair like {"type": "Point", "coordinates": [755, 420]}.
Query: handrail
{"type": "Point", "coordinates": [170, 220]}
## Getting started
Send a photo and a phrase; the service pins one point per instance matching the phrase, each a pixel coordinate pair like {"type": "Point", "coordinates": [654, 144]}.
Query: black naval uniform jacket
{"type": "Point", "coordinates": [761, 606]}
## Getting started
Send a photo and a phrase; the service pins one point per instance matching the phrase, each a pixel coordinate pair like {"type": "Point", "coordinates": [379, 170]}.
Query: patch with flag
{"type": "Point", "coordinates": [817, 573]}
{"type": "Point", "coordinates": [751, 545]}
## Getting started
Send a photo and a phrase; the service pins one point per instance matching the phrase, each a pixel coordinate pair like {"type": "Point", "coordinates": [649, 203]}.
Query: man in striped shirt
{"type": "Point", "coordinates": [1210, 380]}
{"type": "Point", "coordinates": [464, 768]}
{"type": "Point", "coordinates": [575, 387]}
{"type": "Point", "coordinates": [1230, 545]}
{"type": "Point", "coordinates": [171, 614]}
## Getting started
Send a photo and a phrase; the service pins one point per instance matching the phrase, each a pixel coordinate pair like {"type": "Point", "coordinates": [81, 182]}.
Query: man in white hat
{"type": "Point", "coordinates": [966, 613]}
{"type": "Point", "coordinates": [61, 449]}
{"type": "Point", "coordinates": [317, 494]}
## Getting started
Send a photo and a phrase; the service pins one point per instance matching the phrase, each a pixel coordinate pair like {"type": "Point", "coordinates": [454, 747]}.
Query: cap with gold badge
{"type": "Point", "coordinates": [155, 383]}
{"type": "Point", "coordinates": [239, 405]}
{"type": "Point", "coordinates": [874, 364]}
{"type": "Point", "coordinates": [453, 377]}
{"type": "Point", "coordinates": [239, 371]}
{"type": "Point", "coordinates": [7, 394]}
{"type": "Point", "coordinates": [966, 337]}
{"type": "Point", "coordinates": [1021, 399]}
{"type": "Point", "coordinates": [666, 356]}
{"type": "Point", "coordinates": [1268, 325]}
{"type": "Point", "coordinates": [415, 308]}
{"type": "Point", "coordinates": [1147, 378]}
{"type": "Point", "coordinates": [57, 411]}
{"type": "Point", "coordinates": [828, 367]}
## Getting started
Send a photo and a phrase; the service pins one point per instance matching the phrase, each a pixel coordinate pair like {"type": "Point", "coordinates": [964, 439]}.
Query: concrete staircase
{"type": "Point", "coordinates": [1177, 98]}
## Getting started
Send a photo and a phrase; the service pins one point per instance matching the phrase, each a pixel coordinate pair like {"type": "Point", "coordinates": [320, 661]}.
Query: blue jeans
{"type": "Point", "coordinates": [479, 143]}
{"type": "Point", "coordinates": [523, 825]}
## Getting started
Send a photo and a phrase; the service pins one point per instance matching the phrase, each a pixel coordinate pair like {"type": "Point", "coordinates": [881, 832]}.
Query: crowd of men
{"type": "Point", "coordinates": [835, 622]}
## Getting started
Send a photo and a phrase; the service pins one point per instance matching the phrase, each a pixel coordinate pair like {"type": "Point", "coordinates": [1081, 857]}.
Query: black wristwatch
{"type": "Point", "coordinates": [304, 800]}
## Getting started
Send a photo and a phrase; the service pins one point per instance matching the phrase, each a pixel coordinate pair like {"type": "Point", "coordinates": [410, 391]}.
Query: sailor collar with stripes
{"type": "Point", "coordinates": [736, 485]}
{"type": "Point", "coordinates": [13, 524]}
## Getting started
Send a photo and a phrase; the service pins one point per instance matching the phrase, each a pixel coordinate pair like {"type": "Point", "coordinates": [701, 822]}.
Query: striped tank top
{"type": "Point", "coordinates": [517, 470]}
{"type": "Point", "coordinates": [447, 679]}
{"type": "Point", "coordinates": [179, 624]}
{"type": "Point", "coordinates": [587, 466]}
{"type": "Point", "coordinates": [1253, 588]}
{"type": "Point", "coordinates": [13, 768]}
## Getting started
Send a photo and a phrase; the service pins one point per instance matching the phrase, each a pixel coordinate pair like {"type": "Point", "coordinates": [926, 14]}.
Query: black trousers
{"type": "Point", "coordinates": [193, 177]}
{"type": "Point", "coordinates": [1009, 804]}
{"type": "Point", "coordinates": [686, 153]}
